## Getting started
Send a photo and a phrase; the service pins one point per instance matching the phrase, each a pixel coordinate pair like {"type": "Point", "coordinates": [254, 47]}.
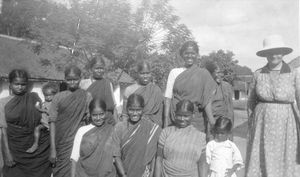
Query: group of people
{"type": "Point", "coordinates": [187, 132]}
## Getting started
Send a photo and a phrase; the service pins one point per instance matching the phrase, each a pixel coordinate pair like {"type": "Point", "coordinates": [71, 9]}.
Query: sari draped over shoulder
{"type": "Point", "coordinates": [222, 100]}
{"type": "Point", "coordinates": [22, 117]}
{"type": "Point", "coordinates": [138, 147]}
{"type": "Point", "coordinates": [197, 85]}
{"type": "Point", "coordinates": [96, 153]}
{"type": "Point", "coordinates": [153, 102]}
{"type": "Point", "coordinates": [71, 112]}
{"type": "Point", "coordinates": [102, 89]}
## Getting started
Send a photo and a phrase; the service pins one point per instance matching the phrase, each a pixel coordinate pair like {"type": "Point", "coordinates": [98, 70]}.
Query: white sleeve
{"type": "Point", "coordinates": [77, 141]}
{"type": "Point", "coordinates": [236, 157]}
{"type": "Point", "coordinates": [170, 84]}
{"type": "Point", "coordinates": [112, 93]}
{"type": "Point", "coordinates": [208, 152]}
{"type": "Point", "coordinates": [76, 146]}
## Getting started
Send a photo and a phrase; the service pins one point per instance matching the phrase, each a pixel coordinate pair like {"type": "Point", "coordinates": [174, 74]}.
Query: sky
{"type": "Point", "coordinates": [240, 26]}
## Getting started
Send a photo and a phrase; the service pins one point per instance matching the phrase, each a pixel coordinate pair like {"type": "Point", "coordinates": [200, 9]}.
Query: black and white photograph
{"type": "Point", "coordinates": [149, 88]}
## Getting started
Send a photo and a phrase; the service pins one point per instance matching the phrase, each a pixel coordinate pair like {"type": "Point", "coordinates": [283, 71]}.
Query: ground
{"type": "Point", "coordinates": [240, 129]}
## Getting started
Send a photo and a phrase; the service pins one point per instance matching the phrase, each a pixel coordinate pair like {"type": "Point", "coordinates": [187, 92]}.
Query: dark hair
{"type": "Point", "coordinates": [188, 44]}
{"type": "Point", "coordinates": [74, 69]}
{"type": "Point", "coordinates": [95, 59]}
{"type": "Point", "coordinates": [222, 125]}
{"type": "Point", "coordinates": [211, 66]}
{"type": "Point", "coordinates": [184, 106]}
{"type": "Point", "coordinates": [18, 73]}
{"type": "Point", "coordinates": [97, 102]}
{"type": "Point", "coordinates": [142, 65]}
{"type": "Point", "coordinates": [50, 86]}
{"type": "Point", "coordinates": [135, 99]}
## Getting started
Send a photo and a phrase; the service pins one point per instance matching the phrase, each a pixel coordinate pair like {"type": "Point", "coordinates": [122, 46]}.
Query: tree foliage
{"type": "Point", "coordinates": [112, 28]}
{"type": "Point", "coordinates": [125, 35]}
{"type": "Point", "coordinates": [225, 61]}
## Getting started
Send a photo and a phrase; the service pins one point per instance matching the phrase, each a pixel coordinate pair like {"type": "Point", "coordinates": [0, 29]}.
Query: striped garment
{"type": "Point", "coordinates": [136, 145]}
{"type": "Point", "coordinates": [182, 148]}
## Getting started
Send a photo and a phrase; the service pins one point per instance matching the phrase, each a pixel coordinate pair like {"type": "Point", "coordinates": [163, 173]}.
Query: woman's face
{"type": "Point", "coordinates": [98, 71]}
{"type": "Point", "coordinates": [144, 77]}
{"type": "Point", "coordinates": [18, 86]}
{"type": "Point", "coordinates": [189, 56]}
{"type": "Point", "coordinates": [72, 81]}
{"type": "Point", "coordinates": [274, 59]}
{"type": "Point", "coordinates": [182, 121]}
{"type": "Point", "coordinates": [217, 75]}
{"type": "Point", "coordinates": [98, 116]}
{"type": "Point", "coordinates": [135, 113]}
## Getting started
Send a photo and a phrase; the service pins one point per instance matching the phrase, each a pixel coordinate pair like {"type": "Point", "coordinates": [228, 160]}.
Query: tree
{"type": "Point", "coordinates": [225, 60]}
{"type": "Point", "coordinates": [102, 27]}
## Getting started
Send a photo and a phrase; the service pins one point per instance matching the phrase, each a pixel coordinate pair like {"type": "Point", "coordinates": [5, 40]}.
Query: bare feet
{"type": "Point", "coordinates": [32, 149]}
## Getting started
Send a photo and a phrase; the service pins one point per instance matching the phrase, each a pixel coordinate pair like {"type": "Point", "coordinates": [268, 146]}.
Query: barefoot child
{"type": "Point", "coordinates": [49, 90]}
{"type": "Point", "coordinates": [222, 155]}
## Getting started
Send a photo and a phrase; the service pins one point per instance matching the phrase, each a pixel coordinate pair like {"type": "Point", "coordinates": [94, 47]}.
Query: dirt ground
{"type": "Point", "coordinates": [240, 134]}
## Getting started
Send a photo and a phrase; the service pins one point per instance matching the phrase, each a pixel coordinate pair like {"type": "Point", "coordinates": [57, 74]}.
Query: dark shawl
{"type": "Point", "coordinates": [22, 117]}
{"type": "Point", "coordinates": [139, 146]}
{"type": "Point", "coordinates": [222, 101]}
{"type": "Point", "coordinates": [102, 89]}
{"type": "Point", "coordinates": [71, 111]}
{"type": "Point", "coordinates": [96, 152]}
{"type": "Point", "coordinates": [197, 85]}
{"type": "Point", "coordinates": [153, 102]}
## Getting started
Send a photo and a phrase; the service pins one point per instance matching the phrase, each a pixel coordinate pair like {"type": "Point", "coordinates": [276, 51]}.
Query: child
{"type": "Point", "coordinates": [222, 155]}
{"type": "Point", "coordinates": [49, 90]}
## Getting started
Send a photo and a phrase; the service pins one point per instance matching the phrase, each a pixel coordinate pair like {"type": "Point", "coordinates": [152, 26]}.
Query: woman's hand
{"type": "Point", "coordinates": [9, 161]}
{"type": "Point", "coordinates": [53, 158]}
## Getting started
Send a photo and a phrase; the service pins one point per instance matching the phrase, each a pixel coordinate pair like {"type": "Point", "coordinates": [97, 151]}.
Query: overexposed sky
{"type": "Point", "coordinates": [240, 25]}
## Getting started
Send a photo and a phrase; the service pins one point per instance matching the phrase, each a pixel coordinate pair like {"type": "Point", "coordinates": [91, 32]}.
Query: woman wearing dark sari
{"type": "Point", "coordinates": [92, 154]}
{"type": "Point", "coordinates": [22, 117]}
{"type": "Point", "coordinates": [191, 83]}
{"type": "Point", "coordinates": [222, 99]}
{"type": "Point", "coordinates": [97, 85]}
{"type": "Point", "coordinates": [66, 115]}
{"type": "Point", "coordinates": [135, 141]}
{"type": "Point", "coordinates": [151, 93]}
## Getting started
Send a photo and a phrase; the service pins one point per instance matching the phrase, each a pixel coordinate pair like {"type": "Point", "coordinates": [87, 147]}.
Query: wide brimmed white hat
{"type": "Point", "coordinates": [274, 44]}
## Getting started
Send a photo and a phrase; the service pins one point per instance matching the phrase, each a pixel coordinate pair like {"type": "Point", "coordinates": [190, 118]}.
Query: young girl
{"type": "Point", "coordinates": [222, 155]}
{"type": "Point", "coordinates": [92, 152]}
{"type": "Point", "coordinates": [49, 90]}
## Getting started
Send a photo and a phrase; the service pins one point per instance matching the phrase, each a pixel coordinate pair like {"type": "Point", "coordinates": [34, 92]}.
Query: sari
{"type": "Point", "coordinates": [153, 102]}
{"type": "Point", "coordinates": [136, 145]}
{"type": "Point", "coordinates": [96, 152]}
{"type": "Point", "coordinates": [22, 117]}
{"type": "Point", "coordinates": [70, 114]}
{"type": "Point", "coordinates": [222, 100]}
{"type": "Point", "coordinates": [197, 85]}
{"type": "Point", "coordinates": [102, 89]}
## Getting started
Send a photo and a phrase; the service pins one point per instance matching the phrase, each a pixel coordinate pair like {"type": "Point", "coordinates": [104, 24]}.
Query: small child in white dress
{"type": "Point", "coordinates": [222, 155]}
